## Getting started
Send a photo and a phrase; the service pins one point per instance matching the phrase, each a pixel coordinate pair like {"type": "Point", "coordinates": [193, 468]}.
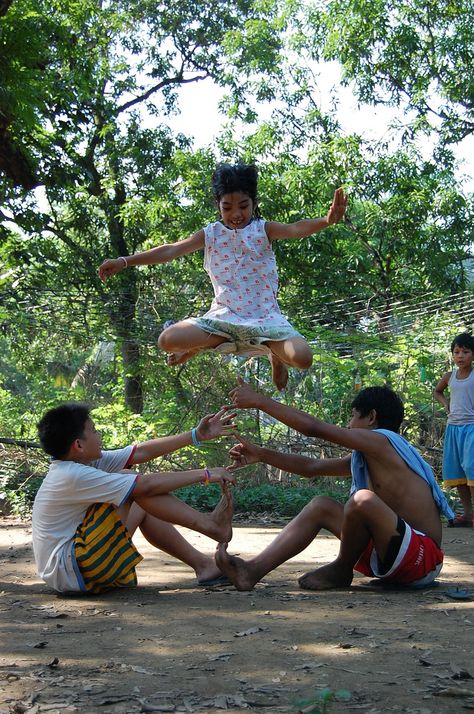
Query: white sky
{"type": "Point", "coordinates": [200, 118]}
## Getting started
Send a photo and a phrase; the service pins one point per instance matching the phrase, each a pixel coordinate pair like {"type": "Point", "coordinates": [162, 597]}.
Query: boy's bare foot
{"type": "Point", "coordinates": [328, 577]}
{"type": "Point", "coordinates": [237, 570]}
{"type": "Point", "coordinates": [222, 516]}
{"type": "Point", "coordinates": [208, 572]}
{"type": "Point", "coordinates": [279, 372]}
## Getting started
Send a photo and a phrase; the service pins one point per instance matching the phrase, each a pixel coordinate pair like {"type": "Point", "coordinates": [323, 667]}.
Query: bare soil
{"type": "Point", "coordinates": [172, 646]}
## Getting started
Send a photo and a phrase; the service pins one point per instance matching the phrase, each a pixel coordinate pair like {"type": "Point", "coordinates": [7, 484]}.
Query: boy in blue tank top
{"type": "Point", "coordinates": [458, 452]}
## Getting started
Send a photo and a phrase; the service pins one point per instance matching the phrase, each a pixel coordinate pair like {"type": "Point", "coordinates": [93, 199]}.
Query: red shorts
{"type": "Point", "coordinates": [418, 561]}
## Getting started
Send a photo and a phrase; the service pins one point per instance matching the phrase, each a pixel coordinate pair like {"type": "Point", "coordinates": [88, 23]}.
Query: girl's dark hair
{"type": "Point", "coordinates": [60, 426]}
{"type": "Point", "coordinates": [232, 178]}
{"type": "Point", "coordinates": [387, 405]}
{"type": "Point", "coordinates": [465, 339]}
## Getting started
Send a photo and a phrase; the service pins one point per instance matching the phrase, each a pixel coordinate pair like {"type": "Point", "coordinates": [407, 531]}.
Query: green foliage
{"type": "Point", "coordinates": [21, 472]}
{"type": "Point", "coordinates": [417, 54]}
{"type": "Point", "coordinates": [95, 135]}
{"type": "Point", "coordinates": [87, 102]}
{"type": "Point", "coordinates": [320, 703]}
{"type": "Point", "coordinates": [265, 499]}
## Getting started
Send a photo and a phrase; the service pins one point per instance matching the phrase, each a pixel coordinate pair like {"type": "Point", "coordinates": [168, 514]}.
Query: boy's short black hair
{"type": "Point", "coordinates": [465, 339]}
{"type": "Point", "coordinates": [60, 426]}
{"type": "Point", "coordinates": [233, 178]}
{"type": "Point", "coordinates": [386, 403]}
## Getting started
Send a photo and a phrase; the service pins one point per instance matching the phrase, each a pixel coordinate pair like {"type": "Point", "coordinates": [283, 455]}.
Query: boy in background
{"type": "Point", "coordinates": [458, 451]}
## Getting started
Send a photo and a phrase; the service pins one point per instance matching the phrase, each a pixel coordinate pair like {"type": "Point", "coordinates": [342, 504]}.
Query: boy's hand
{"type": "Point", "coordinates": [221, 475]}
{"type": "Point", "coordinates": [213, 425]}
{"type": "Point", "coordinates": [243, 454]}
{"type": "Point", "coordinates": [243, 396]}
{"type": "Point", "coordinates": [338, 207]}
{"type": "Point", "coordinates": [110, 267]}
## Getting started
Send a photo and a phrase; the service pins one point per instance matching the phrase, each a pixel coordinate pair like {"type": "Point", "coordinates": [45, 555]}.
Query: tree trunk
{"type": "Point", "coordinates": [132, 375]}
{"type": "Point", "coordinates": [122, 315]}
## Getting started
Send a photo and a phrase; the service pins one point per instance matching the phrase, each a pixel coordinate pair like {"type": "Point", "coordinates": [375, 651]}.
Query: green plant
{"type": "Point", "coordinates": [286, 501]}
{"type": "Point", "coordinates": [319, 704]}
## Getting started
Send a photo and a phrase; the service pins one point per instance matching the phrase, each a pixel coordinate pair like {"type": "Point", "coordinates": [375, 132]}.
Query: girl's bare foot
{"type": "Point", "coordinates": [180, 357]}
{"type": "Point", "coordinates": [222, 516]}
{"type": "Point", "coordinates": [237, 570]}
{"type": "Point", "coordinates": [328, 577]}
{"type": "Point", "coordinates": [279, 372]}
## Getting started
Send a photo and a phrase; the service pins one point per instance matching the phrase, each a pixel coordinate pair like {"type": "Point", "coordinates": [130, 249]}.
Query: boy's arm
{"type": "Point", "coordinates": [161, 254]}
{"type": "Point", "coordinates": [440, 388]}
{"type": "Point", "coordinates": [212, 426]}
{"type": "Point", "coordinates": [156, 484]}
{"type": "Point", "coordinates": [245, 453]}
{"type": "Point", "coordinates": [308, 226]}
{"type": "Point", "coordinates": [244, 397]}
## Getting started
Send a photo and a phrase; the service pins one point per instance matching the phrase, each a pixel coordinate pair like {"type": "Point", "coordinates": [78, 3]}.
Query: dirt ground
{"type": "Point", "coordinates": [171, 646]}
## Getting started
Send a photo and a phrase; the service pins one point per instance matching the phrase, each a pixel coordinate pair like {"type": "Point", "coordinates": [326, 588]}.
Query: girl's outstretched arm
{"type": "Point", "coordinates": [308, 226]}
{"type": "Point", "coordinates": [162, 254]}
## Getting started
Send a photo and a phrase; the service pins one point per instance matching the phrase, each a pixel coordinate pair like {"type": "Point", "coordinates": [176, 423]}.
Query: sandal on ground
{"type": "Point", "coordinates": [460, 522]}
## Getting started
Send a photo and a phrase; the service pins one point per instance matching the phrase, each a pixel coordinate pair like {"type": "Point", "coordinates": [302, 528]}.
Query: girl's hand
{"type": "Point", "coordinates": [338, 207]}
{"type": "Point", "coordinates": [214, 425]}
{"type": "Point", "coordinates": [243, 396]}
{"type": "Point", "coordinates": [243, 454]}
{"type": "Point", "coordinates": [221, 475]}
{"type": "Point", "coordinates": [110, 267]}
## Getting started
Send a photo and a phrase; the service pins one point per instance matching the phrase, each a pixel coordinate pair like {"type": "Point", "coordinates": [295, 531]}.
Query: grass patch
{"type": "Point", "coordinates": [276, 499]}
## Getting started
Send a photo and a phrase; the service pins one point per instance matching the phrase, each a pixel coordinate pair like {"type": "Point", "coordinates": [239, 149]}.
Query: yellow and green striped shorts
{"type": "Point", "coordinates": [104, 551]}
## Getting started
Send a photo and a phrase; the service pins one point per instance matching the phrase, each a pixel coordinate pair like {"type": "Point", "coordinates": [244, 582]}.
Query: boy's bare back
{"type": "Point", "coordinates": [406, 493]}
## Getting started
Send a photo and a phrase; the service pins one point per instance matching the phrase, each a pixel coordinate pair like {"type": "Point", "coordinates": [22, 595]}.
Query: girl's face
{"type": "Point", "coordinates": [236, 209]}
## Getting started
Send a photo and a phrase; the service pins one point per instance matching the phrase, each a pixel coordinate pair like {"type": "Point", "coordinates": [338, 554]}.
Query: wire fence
{"type": "Point", "coordinates": [404, 343]}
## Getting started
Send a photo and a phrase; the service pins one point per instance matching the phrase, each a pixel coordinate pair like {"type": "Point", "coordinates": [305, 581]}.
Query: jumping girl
{"type": "Point", "coordinates": [244, 316]}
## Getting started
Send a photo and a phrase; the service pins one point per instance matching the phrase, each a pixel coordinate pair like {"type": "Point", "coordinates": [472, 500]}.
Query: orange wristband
{"type": "Point", "coordinates": [207, 477]}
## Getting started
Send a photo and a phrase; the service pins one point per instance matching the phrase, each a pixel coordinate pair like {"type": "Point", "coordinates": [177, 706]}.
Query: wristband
{"type": "Point", "coordinates": [194, 438]}
{"type": "Point", "coordinates": [207, 477]}
{"type": "Point", "coordinates": [125, 261]}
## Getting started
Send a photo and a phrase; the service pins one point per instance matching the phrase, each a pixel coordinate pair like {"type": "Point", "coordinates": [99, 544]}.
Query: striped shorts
{"type": "Point", "coordinates": [104, 551]}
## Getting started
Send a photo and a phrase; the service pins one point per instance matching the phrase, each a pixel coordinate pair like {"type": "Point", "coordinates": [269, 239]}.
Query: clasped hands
{"type": "Point", "coordinates": [244, 452]}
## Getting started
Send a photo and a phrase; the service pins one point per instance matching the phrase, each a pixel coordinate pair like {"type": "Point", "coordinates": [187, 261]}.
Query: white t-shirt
{"type": "Point", "coordinates": [63, 498]}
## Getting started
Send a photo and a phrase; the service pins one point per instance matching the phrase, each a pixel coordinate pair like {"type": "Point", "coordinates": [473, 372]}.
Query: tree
{"type": "Point", "coordinates": [414, 54]}
{"type": "Point", "coordinates": [408, 228]}
{"type": "Point", "coordinates": [85, 106]}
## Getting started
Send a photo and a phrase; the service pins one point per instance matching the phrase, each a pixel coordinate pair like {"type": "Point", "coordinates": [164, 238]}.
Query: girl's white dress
{"type": "Point", "coordinates": [242, 268]}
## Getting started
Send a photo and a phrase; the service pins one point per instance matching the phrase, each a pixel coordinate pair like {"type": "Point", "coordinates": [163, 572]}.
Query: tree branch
{"type": "Point", "coordinates": [179, 79]}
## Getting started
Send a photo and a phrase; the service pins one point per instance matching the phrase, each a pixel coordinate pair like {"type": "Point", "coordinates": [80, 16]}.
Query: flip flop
{"type": "Point", "coordinates": [460, 522]}
{"type": "Point", "coordinates": [458, 594]}
{"type": "Point", "coordinates": [220, 580]}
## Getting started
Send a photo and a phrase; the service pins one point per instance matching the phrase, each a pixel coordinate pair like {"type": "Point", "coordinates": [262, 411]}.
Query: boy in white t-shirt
{"type": "Point", "coordinates": [87, 509]}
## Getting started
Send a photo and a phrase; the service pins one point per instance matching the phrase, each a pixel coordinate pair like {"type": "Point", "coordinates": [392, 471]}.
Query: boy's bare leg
{"type": "Point", "coordinates": [168, 539]}
{"type": "Point", "coordinates": [294, 352]}
{"type": "Point", "coordinates": [321, 512]}
{"type": "Point", "coordinates": [466, 495]}
{"type": "Point", "coordinates": [184, 340]}
{"type": "Point", "coordinates": [216, 525]}
{"type": "Point", "coordinates": [366, 517]}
